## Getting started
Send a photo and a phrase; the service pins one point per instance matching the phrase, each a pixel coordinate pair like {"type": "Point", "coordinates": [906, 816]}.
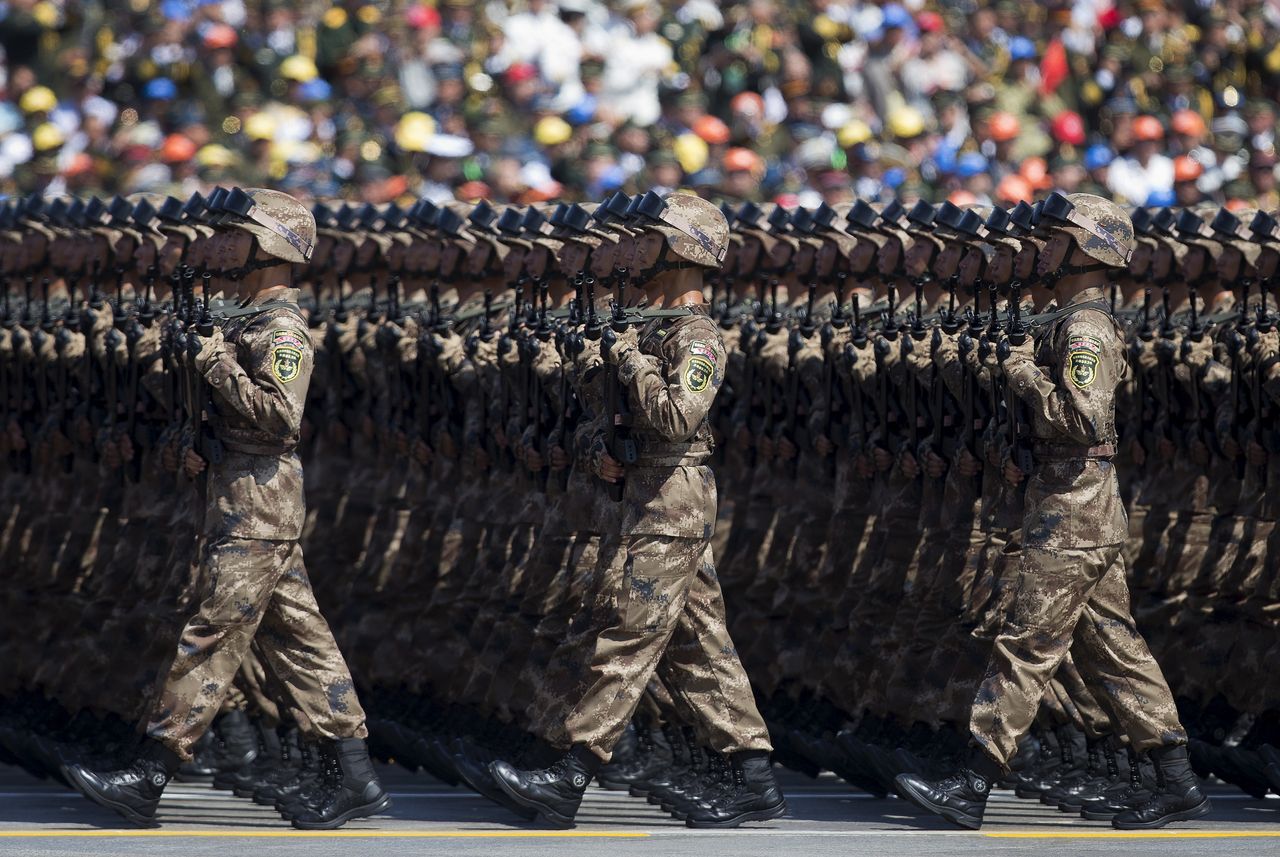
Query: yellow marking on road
{"type": "Point", "coordinates": [322, 834]}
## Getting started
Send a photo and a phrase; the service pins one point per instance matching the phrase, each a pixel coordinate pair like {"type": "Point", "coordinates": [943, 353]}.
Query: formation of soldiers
{"type": "Point", "coordinates": [481, 477]}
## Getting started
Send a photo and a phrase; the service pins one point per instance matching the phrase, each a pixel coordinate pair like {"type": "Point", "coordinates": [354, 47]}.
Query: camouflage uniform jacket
{"type": "Point", "coordinates": [258, 387]}
{"type": "Point", "coordinates": [1073, 496]}
{"type": "Point", "coordinates": [671, 380]}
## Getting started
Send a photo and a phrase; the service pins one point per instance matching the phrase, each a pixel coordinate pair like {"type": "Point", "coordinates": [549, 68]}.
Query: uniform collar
{"type": "Point", "coordinates": [290, 294]}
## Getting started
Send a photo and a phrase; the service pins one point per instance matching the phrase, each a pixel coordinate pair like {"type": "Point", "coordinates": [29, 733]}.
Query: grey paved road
{"type": "Point", "coordinates": [827, 818]}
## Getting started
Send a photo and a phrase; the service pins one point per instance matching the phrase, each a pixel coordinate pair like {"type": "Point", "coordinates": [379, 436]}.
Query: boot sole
{"type": "Point", "coordinates": [123, 810]}
{"type": "Point", "coordinates": [558, 819]}
{"type": "Point", "coordinates": [350, 815]}
{"type": "Point", "coordinates": [954, 816]}
{"type": "Point", "coordinates": [1200, 810]}
{"type": "Point", "coordinates": [755, 815]}
{"type": "Point", "coordinates": [499, 797]}
{"type": "Point", "coordinates": [1098, 815]}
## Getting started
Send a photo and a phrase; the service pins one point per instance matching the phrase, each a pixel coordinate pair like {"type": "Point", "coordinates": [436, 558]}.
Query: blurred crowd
{"type": "Point", "coordinates": [1151, 102]}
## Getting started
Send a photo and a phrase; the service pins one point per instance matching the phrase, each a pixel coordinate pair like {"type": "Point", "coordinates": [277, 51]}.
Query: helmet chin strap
{"type": "Point", "coordinates": [1063, 271]}
{"type": "Point", "coordinates": [665, 264]}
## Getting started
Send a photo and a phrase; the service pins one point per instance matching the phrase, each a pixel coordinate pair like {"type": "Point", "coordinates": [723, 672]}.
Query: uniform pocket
{"type": "Point", "coordinates": [655, 582]}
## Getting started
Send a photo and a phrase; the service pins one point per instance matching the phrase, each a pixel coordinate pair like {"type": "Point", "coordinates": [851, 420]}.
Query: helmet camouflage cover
{"type": "Point", "coordinates": [1101, 229]}
{"type": "Point", "coordinates": [695, 229]}
{"type": "Point", "coordinates": [295, 217]}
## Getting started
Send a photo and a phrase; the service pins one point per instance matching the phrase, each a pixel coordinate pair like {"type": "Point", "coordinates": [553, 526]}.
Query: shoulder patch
{"type": "Point", "coordinates": [1082, 361]}
{"type": "Point", "coordinates": [698, 372]}
{"type": "Point", "coordinates": [286, 361]}
{"type": "Point", "coordinates": [703, 349]}
{"type": "Point", "coordinates": [287, 337]}
{"type": "Point", "coordinates": [1084, 342]}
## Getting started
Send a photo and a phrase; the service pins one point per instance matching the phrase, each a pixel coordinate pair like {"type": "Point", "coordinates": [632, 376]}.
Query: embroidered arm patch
{"type": "Point", "coordinates": [1082, 359]}
{"type": "Point", "coordinates": [698, 372]}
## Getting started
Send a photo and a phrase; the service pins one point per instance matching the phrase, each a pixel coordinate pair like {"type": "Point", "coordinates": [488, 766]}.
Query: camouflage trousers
{"type": "Point", "coordinates": [1072, 600]}
{"type": "Point", "coordinates": [259, 593]}
{"type": "Point", "coordinates": [666, 616]}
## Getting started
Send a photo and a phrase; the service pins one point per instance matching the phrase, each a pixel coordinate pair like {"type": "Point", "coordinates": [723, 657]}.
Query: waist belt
{"type": "Point", "coordinates": [661, 454]}
{"type": "Point", "coordinates": [1064, 450]}
{"type": "Point", "coordinates": [249, 448]}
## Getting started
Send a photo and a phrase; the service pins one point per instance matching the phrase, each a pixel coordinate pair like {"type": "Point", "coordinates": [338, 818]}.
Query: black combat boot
{"type": "Point", "coordinates": [960, 798]}
{"type": "Point", "coordinates": [554, 792]}
{"type": "Point", "coordinates": [268, 789]}
{"type": "Point", "coordinates": [753, 795]}
{"type": "Point", "coordinates": [201, 766]}
{"type": "Point", "coordinates": [1122, 796]}
{"type": "Point", "coordinates": [665, 750]}
{"type": "Point", "coordinates": [237, 744]}
{"type": "Point", "coordinates": [355, 793]}
{"type": "Point", "coordinates": [1107, 773]}
{"type": "Point", "coordinates": [132, 792]}
{"type": "Point", "coordinates": [325, 777]}
{"type": "Point", "coordinates": [1177, 796]}
{"type": "Point", "coordinates": [471, 761]}
{"type": "Point", "coordinates": [307, 773]}
{"type": "Point", "coordinates": [613, 775]}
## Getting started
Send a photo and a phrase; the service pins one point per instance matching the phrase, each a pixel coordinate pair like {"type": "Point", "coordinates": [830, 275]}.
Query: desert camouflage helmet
{"type": "Point", "coordinates": [1100, 227]}
{"type": "Point", "coordinates": [695, 229]}
{"type": "Point", "coordinates": [1232, 228]}
{"type": "Point", "coordinates": [284, 227]}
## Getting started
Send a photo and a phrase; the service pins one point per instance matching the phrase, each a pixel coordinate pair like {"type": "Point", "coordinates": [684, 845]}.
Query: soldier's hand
{"type": "Point", "coordinates": [910, 467]}
{"type": "Point", "coordinates": [558, 457]}
{"type": "Point", "coordinates": [1006, 351]}
{"type": "Point", "coordinates": [742, 438]}
{"type": "Point", "coordinates": [1012, 474]}
{"type": "Point", "coordinates": [1137, 453]}
{"type": "Point", "coordinates": [935, 467]}
{"type": "Point", "coordinates": [368, 428]}
{"type": "Point", "coordinates": [1199, 452]}
{"type": "Point", "coordinates": [169, 458]}
{"type": "Point", "coordinates": [1229, 447]}
{"type": "Point", "coordinates": [84, 431]}
{"type": "Point", "coordinates": [192, 464]}
{"type": "Point", "coordinates": [533, 459]}
{"type": "Point", "coordinates": [446, 446]}
{"type": "Point", "coordinates": [422, 453]}
{"type": "Point", "coordinates": [882, 458]}
{"type": "Point", "coordinates": [764, 446]}
{"type": "Point", "coordinates": [1257, 455]}
{"type": "Point", "coordinates": [1198, 354]}
{"type": "Point", "coordinates": [968, 464]}
{"type": "Point", "coordinates": [1166, 448]}
{"type": "Point", "coordinates": [125, 447]}
{"type": "Point", "coordinates": [864, 466]}
{"type": "Point", "coordinates": [480, 458]}
{"type": "Point", "coordinates": [606, 466]}
{"type": "Point", "coordinates": [786, 449]}
{"type": "Point", "coordinates": [109, 454]}
{"type": "Point", "coordinates": [823, 445]}
{"type": "Point", "coordinates": [402, 443]}
{"type": "Point", "coordinates": [17, 440]}
{"type": "Point", "coordinates": [1266, 344]}
{"type": "Point", "coordinates": [211, 348]}
{"type": "Point", "coordinates": [60, 443]}
{"type": "Point", "coordinates": [338, 433]}
{"type": "Point", "coordinates": [500, 437]}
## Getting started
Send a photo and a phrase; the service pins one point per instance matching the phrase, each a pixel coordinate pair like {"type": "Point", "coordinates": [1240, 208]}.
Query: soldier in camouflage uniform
{"type": "Point", "coordinates": [1071, 563]}
{"type": "Point", "coordinates": [257, 369]}
{"type": "Point", "coordinates": [668, 607]}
